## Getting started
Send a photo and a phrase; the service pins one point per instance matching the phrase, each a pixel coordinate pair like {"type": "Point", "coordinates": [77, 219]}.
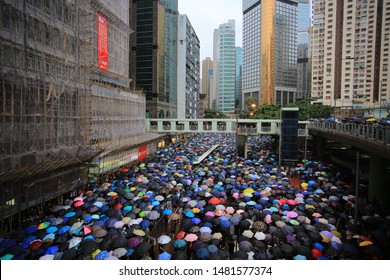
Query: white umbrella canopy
{"type": "Point", "coordinates": [164, 239]}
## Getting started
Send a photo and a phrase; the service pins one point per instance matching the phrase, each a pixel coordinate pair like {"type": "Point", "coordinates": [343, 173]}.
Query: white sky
{"type": "Point", "coordinates": [207, 15]}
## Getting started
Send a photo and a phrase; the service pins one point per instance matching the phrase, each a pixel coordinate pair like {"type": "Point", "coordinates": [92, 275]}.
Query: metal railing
{"type": "Point", "coordinates": [376, 133]}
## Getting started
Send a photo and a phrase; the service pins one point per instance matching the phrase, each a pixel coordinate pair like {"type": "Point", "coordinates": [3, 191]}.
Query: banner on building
{"type": "Point", "coordinates": [102, 35]}
{"type": "Point", "coordinates": [142, 152]}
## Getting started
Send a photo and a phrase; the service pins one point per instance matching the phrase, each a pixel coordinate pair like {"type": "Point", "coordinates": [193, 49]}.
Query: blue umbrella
{"type": "Point", "coordinates": [63, 229]}
{"type": "Point", "coordinates": [167, 212]}
{"type": "Point", "coordinates": [189, 214]}
{"type": "Point", "coordinates": [51, 229]}
{"type": "Point", "coordinates": [31, 229]}
{"type": "Point", "coordinates": [212, 248]}
{"type": "Point", "coordinates": [225, 224]}
{"type": "Point", "coordinates": [144, 224]}
{"type": "Point", "coordinates": [102, 255]}
{"type": "Point", "coordinates": [195, 221]}
{"type": "Point", "coordinates": [51, 250]}
{"type": "Point", "coordinates": [164, 256]}
{"type": "Point", "coordinates": [202, 254]}
{"type": "Point", "coordinates": [70, 214]}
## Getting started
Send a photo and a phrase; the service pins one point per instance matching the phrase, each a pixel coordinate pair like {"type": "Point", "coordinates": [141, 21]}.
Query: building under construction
{"type": "Point", "coordinates": [66, 98]}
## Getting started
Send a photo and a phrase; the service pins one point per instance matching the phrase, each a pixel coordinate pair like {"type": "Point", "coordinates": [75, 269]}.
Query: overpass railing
{"type": "Point", "coordinates": [376, 133]}
{"type": "Point", "coordinates": [241, 126]}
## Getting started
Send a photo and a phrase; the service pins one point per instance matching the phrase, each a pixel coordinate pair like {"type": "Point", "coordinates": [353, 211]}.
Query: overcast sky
{"type": "Point", "coordinates": [207, 15]}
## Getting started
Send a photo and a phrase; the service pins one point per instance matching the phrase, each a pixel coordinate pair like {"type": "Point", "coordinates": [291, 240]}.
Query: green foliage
{"type": "Point", "coordinates": [214, 114]}
{"type": "Point", "coordinates": [306, 111]}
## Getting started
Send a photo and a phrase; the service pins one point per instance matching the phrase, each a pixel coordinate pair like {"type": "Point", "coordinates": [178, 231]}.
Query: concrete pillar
{"type": "Point", "coordinates": [379, 182]}
{"type": "Point", "coordinates": [319, 145]}
{"type": "Point", "coordinates": [242, 145]}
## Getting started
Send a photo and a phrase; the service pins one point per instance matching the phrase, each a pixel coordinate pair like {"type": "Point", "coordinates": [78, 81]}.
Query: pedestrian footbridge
{"type": "Point", "coordinates": [240, 126]}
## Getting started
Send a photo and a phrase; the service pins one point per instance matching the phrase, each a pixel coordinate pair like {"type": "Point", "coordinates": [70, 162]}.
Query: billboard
{"type": "Point", "coordinates": [102, 36]}
{"type": "Point", "coordinates": [142, 153]}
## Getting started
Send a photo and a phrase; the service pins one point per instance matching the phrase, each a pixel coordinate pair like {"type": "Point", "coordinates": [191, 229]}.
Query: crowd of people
{"type": "Point", "coordinates": [225, 207]}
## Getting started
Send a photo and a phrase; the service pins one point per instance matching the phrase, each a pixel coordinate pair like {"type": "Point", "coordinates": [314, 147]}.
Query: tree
{"type": "Point", "coordinates": [214, 114]}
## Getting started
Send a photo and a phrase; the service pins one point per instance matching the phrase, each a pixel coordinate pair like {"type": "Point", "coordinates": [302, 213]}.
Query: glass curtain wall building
{"type": "Point", "coordinates": [154, 51]}
{"type": "Point", "coordinates": [275, 48]}
{"type": "Point", "coordinates": [226, 66]}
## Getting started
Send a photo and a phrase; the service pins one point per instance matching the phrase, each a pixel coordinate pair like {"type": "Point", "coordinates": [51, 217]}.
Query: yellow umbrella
{"type": "Point", "coordinates": [139, 232]}
{"type": "Point", "coordinates": [304, 185]}
{"type": "Point", "coordinates": [249, 190]}
{"type": "Point", "coordinates": [195, 210]}
{"type": "Point", "coordinates": [365, 243]}
{"type": "Point", "coordinates": [112, 194]}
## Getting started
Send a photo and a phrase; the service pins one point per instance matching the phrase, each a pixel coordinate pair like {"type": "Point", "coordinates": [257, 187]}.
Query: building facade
{"type": "Point", "coordinates": [350, 46]}
{"type": "Point", "coordinates": [207, 86]}
{"type": "Point", "coordinates": [224, 69]}
{"type": "Point", "coordinates": [188, 74]}
{"type": "Point", "coordinates": [304, 66]}
{"type": "Point", "coordinates": [66, 97]}
{"type": "Point", "coordinates": [154, 55]}
{"type": "Point", "coordinates": [270, 39]}
{"type": "Point", "coordinates": [238, 85]}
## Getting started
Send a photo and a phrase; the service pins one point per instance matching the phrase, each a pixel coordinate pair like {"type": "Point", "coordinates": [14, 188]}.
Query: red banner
{"type": "Point", "coordinates": [142, 152]}
{"type": "Point", "coordinates": [102, 32]}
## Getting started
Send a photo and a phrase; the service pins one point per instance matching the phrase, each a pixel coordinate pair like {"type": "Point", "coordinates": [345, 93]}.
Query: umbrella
{"type": "Point", "coordinates": [74, 242]}
{"type": "Point", "coordinates": [119, 252]}
{"type": "Point", "coordinates": [180, 243]}
{"type": "Point", "coordinates": [164, 256]}
{"type": "Point", "coordinates": [205, 236]}
{"type": "Point", "coordinates": [143, 247]}
{"type": "Point", "coordinates": [139, 232]}
{"type": "Point", "coordinates": [191, 237]}
{"type": "Point", "coordinates": [164, 239]}
{"type": "Point", "coordinates": [133, 242]}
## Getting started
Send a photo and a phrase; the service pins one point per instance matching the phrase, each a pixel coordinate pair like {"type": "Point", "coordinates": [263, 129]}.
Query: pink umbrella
{"type": "Point", "coordinates": [292, 214]}
{"type": "Point", "coordinates": [78, 203]}
{"type": "Point", "coordinates": [191, 237]}
{"type": "Point", "coordinates": [210, 214]}
{"type": "Point", "coordinates": [236, 195]}
{"type": "Point", "coordinates": [230, 210]}
{"type": "Point", "coordinates": [291, 202]}
{"type": "Point", "coordinates": [268, 219]}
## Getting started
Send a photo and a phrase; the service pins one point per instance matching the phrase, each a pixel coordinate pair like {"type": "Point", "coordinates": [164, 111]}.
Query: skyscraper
{"type": "Point", "coordinates": [304, 68]}
{"type": "Point", "coordinates": [224, 42]}
{"type": "Point", "coordinates": [154, 55]}
{"type": "Point", "coordinates": [207, 86]}
{"type": "Point", "coordinates": [188, 74]}
{"type": "Point", "coordinates": [238, 86]}
{"type": "Point", "coordinates": [350, 47]}
{"type": "Point", "coordinates": [270, 50]}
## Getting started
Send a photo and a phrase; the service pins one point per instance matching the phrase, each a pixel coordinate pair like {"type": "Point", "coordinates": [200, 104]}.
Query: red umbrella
{"type": "Point", "coordinates": [214, 201]}
{"type": "Point", "coordinates": [180, 235]}
{"type": "Point", "coordinates": [35, 244]}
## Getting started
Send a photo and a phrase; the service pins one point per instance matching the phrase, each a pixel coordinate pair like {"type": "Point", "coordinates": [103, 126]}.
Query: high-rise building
{"type": "Point", "coordinates": [303, 67]}
{"type": "Point", "coordinates": [225, 39]}
{"type": "Point", "coordinates": [154, 55]}
{"type": "Point", "coordinates": [188, 70]}
{"type": "Point", "coordinates": [66, 97]}
{"type": "Point", "coordinates": [238, 85]}
{"type": "Point", "coordinates": [350, 47]}
{"type": "Point", "coordinates": [207, 86]}
{"type": "Point", "coordinates": [270, 50]}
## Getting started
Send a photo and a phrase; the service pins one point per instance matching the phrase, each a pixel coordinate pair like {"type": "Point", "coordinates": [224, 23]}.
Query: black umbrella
{"type": "Point", "coordinates": [240, 255]}
{"type": "Point", "coordinates": [304, 251]}
{"type": "Point", "coordinates": [88, 247]}
{"type": "Point", "coordinates": [118, 242]}
{"type": "Point", "coordinates": [143, 247]}
{"type": "Point", "coordinates": [288, 250]}
{"type": "Point", "coordinates": [244, 224]}
{"type": "Point", "coordinates": [179, 255]}
{"type": "Point", "coordinates": [276, 252]}
{"type": "Point", "coordinates": [70, 254]}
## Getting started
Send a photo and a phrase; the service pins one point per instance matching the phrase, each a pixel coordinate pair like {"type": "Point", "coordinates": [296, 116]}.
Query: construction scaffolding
{"type": "Point", "coordinates": [59, 109]}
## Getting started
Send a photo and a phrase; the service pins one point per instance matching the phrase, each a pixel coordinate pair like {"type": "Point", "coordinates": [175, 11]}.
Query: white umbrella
{"type": "Point", "coordinates": [260, 235]}
{"type": "Point", "coordinates": [164, 239]}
